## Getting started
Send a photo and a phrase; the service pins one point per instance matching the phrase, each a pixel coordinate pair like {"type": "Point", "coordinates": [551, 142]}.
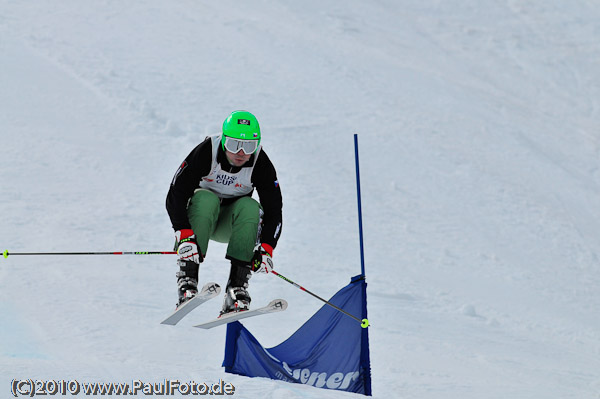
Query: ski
{"type": "Point", "coordinates": [209, 291]}
{"type": "Point", "coordinates": [276, 305]}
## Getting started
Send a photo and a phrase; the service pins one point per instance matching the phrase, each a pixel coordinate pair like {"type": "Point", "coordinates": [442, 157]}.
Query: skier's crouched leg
{"type": "Point", "coordinates": [244, 230]}
{"type": "Point", "coordinates": [204, 203]}
{"type": "Point", "coordinates": [203, 213]}
{"type": "Point", "coordinates": [246, 210]}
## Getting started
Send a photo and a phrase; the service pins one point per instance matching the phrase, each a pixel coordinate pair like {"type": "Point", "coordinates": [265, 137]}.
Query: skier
{"type": "Point", "coordinates": [210, 197]}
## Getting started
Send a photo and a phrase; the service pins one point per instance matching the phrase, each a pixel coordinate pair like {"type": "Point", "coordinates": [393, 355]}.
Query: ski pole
{"type": "Point", "coordinates": [364, 323]}
{"type": "Point", "coordinates": [6, 253]}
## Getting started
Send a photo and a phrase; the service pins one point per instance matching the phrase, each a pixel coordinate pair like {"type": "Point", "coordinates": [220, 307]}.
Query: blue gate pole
{"type": "Point", "coordinates": [360, 227]}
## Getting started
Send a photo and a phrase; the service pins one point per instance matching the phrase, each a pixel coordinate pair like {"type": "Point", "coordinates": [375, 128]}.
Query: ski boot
{"type": "Point", "coordinates": [237, 298]}
{"type": "Point", "coordinates": [187, 280]}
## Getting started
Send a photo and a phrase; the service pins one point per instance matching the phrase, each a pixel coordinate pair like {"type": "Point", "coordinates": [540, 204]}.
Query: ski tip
{"type": "Point", "coordinates": [213, 288]}
{"type": "Point", "coordinates": [5, 253]}
{"type": "Point", "coordinates": [279, 304]}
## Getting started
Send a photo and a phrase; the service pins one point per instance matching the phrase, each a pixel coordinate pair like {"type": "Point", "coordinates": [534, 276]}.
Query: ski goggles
{"type": "Point", "coordinates": [235, 145]}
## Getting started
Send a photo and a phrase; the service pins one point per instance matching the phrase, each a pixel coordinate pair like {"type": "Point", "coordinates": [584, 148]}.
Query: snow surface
{"type": "Point", "coordinates": [479, 137]}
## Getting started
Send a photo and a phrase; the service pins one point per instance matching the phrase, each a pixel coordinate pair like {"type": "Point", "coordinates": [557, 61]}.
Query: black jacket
{"type": "Point", "coordinates": [198, 164]}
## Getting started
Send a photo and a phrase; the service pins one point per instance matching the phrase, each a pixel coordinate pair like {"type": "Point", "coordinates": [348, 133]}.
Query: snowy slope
{"type": "Point", "coordinates": [479, 145]}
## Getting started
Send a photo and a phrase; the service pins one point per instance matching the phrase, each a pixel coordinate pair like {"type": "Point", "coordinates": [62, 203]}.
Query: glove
{"type": "Point", "coordinates": [187, 248]}
{"type": "Point", "coordinates": [262, 262]}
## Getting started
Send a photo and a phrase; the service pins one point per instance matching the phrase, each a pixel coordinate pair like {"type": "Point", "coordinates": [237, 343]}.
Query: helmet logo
{"type": "Point", "coordinates": [244, 122]}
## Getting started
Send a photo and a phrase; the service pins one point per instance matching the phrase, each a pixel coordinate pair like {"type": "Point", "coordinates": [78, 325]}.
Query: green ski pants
{"type": "Point", "coordinates": [235, 223]}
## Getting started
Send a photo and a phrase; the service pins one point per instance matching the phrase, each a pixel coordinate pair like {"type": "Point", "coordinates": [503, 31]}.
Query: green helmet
{"type": "Point", "coordinates": [241, 125]}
